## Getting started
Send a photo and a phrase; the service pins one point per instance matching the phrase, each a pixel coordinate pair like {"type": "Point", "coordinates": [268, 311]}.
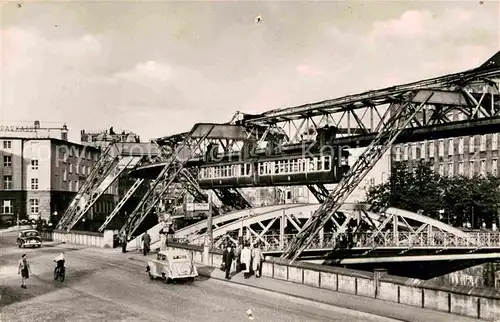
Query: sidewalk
{"type": "Point", "coordinates": [363, 304]}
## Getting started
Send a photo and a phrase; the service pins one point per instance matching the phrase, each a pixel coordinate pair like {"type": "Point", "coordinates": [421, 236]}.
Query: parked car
{"type": "Point", "coordinates": [29, 238]}
{"type": "Point", "coordinates": [171, 266]}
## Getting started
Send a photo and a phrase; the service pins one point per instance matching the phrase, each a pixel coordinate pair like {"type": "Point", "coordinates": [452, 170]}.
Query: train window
{"type": "Point", "coordinates": [328, 163]}
{"type": "Point", "coordinates": [276, 167]}
{"type": "Point", "coordinates": [312, 164]}
{"type": "Point", "coordinates": [262, 168]}
{"type": "Point", "coordinates": [247, 169]}
{"type": "Point", "coordinates": [319, 164]}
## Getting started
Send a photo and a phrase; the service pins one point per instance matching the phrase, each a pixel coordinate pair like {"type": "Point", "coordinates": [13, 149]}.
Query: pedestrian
{"type": "Point", "coordinates": [257, 258]}
{"type": "Point", "coordinates": [147, 243]}
{"type": "Point", "coordinates": [163, 237]}
{"type": "Point", "coordinates": [124, 242]}
{"type": "Point", "coordinates": [246, 260]}
{"type": "Point", "coordinates": [24, 269]}
{"type": "Point", "coordinates": [227, 260]}
{"type": "Point", "coordinates": [237, 254]}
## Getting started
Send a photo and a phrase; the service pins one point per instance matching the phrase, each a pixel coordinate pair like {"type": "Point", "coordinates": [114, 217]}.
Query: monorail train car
{"type": "Point", "coordinates": [275, 171]}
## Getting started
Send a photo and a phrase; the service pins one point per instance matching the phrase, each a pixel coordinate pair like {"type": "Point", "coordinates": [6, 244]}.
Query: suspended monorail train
{"type": "Point", "coordinates": [275, 171]}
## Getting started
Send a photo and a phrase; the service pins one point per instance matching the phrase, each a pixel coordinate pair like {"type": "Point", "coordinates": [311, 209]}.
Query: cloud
{"type": "Point", "coordinates": [308, 70]}
{"type": "Point", "coordinates": [130, 75]}
{"type": "Point", "coordinates": [148, 71]}
{"type": "Point", "coordinates": [409, 25]}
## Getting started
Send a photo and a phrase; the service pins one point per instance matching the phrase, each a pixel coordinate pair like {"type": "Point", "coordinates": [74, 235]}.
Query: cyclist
{"type": "Point", "coordinates": [60, 261]}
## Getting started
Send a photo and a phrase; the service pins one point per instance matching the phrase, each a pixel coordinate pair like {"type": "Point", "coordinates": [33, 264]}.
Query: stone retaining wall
{"type": "Point", "coordinates": [479, 303]}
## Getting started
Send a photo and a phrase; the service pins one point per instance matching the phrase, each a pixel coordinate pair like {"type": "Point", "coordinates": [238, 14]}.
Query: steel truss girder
{"type": "Point", "coordinates": [232, 199]}
{"type": "Point", "coordinates": [387, 134]}
{"type": "Point", "coordinates": [167, 176]}
{"type": "Point", "coordinates": [115, 169]}
{"type": "Point", "coordinates": [130, 192]}
{"type": "Point", "coordinates": [107, 169]}
{"type": "Point", "coordinates": [319, 191]}
{"type": "Point", "coordinates": [190, 184]}
{"type": "Point", "coordinates": [96, 171]}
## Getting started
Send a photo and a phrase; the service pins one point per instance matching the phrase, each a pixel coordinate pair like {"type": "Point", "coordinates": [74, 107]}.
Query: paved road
{"type": "Point", "coordinates": [103, 287]}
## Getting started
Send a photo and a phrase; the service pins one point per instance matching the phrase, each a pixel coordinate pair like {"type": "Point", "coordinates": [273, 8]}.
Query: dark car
{"type": "Point", "coordinates": [30, 238]}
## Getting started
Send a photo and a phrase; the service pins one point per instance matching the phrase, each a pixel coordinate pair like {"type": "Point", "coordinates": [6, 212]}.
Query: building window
{"type": "Point", "coordinates": [450, 147]}
{"type": "Point", "coordinates": [414, 151]}
{"type": "Point", "coordinates": [7, 182]}
{"type": "Point", "coordinates": [70, 185]}
{"type": "Point", "coordinates": [397, 153]}
{"type": "Point", "coordinates": [34, 164]}
{"type": "Point", "coordinates": [7, 208]}
{"type": "Point", "coordinates": [65, 175]}
{"type": "Point", "coordinates": [34, 183]}
{"type": "Point", "coordinates": [450, 169]}
{"type": "Point", "coordinates": [7, 161]}
{"type": "Point", "coordinates": [431, 149]}
{"type": "Point", "coordinates": [422, 151]}
{"type": "Point", "coordinates": [77, 168]}
{"type": "Point", "coordinates": [405, 152]}
{"type": "Point", "coordinates": [34, 203]}
{"type": "Point", "coordinates": [83, 169]}
{"type": "Point", "coordinates": [461, 146]}
{"type": "Point", "coordinates": [77, 185]}
{"type": "Point", "coordinates": [471, 168]}
{"type": "Point", "coordinates": [441, 148]}
{"type": "Point", "coordinates": [482, 145]}
{"type": "Point", "coordinates": [441, 169]}
{"type": "Point", "coordinates": [483, 167]}
{"type": "Point", "coordinates": [471, 144]}
{"type": "Point", "coordinates": [70, 168]}
{"type": "Point", "coordinates": [461, 168]}
{"type": "Point", "coordinates": [494, 166]}
{"type": "Point", "coordinates": [494, 141]}
{"type": "Point", "coordinates": [7, 144]}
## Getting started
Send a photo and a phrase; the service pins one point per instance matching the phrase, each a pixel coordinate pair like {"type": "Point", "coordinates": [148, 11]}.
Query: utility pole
{"type": "Point", "coordinates": [209, 222]}
{"type": "Point", "coordinates": [472, 211]}
{"type": "Point", "coordinates": [208, 234]}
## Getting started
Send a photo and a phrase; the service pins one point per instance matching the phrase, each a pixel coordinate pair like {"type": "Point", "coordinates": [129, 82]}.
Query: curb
{"type": "Point", "coordinates": [300, 297]}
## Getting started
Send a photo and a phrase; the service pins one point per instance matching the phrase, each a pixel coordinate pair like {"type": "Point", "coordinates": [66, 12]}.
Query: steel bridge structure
{"type": "Point", "coordinates": [375, 120]}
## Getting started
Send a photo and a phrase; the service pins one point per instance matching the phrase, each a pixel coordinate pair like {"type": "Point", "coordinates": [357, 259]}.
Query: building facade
{"type": "Point", "coordinates": [41, 172]}
{"type": "Point", "coordinates": [464, 155]}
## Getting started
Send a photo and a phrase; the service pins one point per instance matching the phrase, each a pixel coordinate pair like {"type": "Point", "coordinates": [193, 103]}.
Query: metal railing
{"type": "Point", "coordinates": [405, 240]}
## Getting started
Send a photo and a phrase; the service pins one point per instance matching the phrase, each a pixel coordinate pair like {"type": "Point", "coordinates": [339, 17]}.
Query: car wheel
{"type": "Point", "coordinates": [191, 279]}
{"type": "Point", "coordinates": [151, 276]}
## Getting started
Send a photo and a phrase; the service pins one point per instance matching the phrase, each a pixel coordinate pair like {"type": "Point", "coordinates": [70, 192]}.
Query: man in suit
{"type": "Point", "coordinates": [227, 260]}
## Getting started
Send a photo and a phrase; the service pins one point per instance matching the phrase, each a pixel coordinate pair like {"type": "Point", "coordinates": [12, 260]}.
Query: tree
{"type": "Point", "coordinates": [474, 200]}
{"type": "Point", "coordinates": [409, 189]}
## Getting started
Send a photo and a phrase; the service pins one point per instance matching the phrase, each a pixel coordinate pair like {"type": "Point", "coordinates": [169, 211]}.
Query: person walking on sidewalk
{"type": "Point", "coordinates": [124, 242]}
{"type": "Point", "coordinates": [146, 238]}
{"type": "Point", "coordinates": [257, 258]}
{"type": "Point", "coordinates": [246, 260]}
{"type": "Point", "coordinates": [227, 260]}
{"type": "Point", "coordinates": [24, 269]}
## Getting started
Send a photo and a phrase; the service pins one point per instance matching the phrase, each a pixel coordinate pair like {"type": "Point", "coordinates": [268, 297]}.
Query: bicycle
{"type": "Point", "coordinates": [59, 273]}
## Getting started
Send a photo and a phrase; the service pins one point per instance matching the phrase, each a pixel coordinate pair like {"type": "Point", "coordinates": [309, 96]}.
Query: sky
{"type": "Point", "coordinates": [156, 68]}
